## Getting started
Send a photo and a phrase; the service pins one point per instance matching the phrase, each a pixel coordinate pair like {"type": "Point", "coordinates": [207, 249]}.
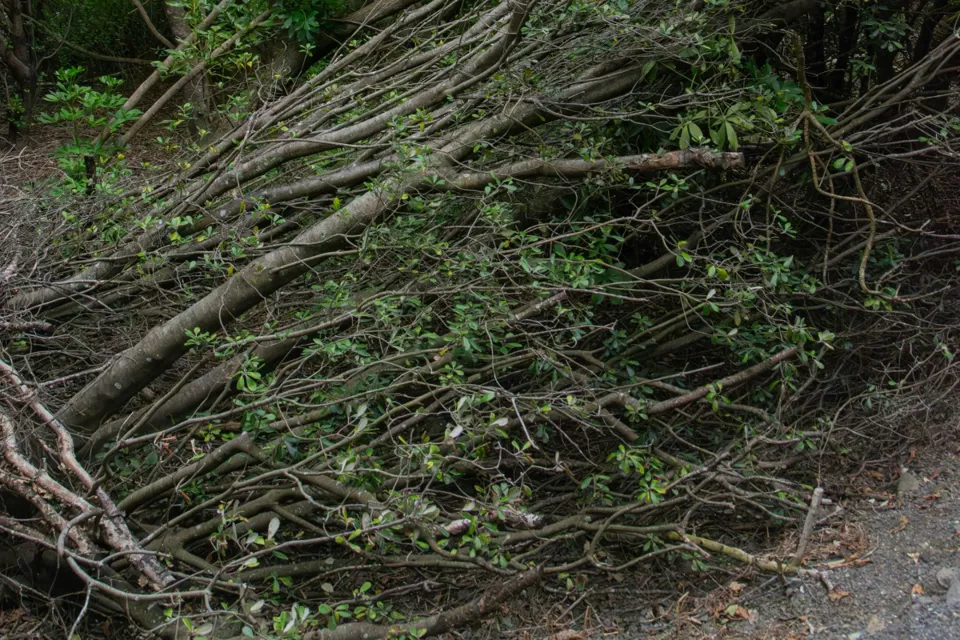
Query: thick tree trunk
{"type": "Point", "coordinates": [849, 18]}
{"type": "Point", "coordinates": [814, 45]}
{"type": "Point", "coordinates": [20, 60]}
{"type": "Point", "coordinates": [884, 58]}
{"type": "Point", "coordinates": [933, 17]}
{"type": "Point", "coordinates": [197, 91]}
{"type": "Point", "coordinates": [284, 61]}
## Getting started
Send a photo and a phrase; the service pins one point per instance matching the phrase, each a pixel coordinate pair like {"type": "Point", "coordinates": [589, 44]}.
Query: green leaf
{"type": "Point", "coordinates": [718, 136]}
{"type": "Point", "coordinates": [695, 132]}
{"type": "Point", "coordinates": [731, 136]}
{"type": "Point", "coordinates": [734, 52]}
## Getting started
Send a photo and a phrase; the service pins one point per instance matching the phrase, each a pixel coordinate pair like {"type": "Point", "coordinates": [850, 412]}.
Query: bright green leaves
{"type": "Point", "coordinates": [686, 133]}
{"type": "Point", "coordinates": [671, 184]}
{"type": "Point", "coordinates": [722, 126]}
{"type": "Point", "coordinates": [249, 378]}
{"type": "Point", "coordinates": [200, 339]}
{"type": "Point", "coordinates": [725, 136]}
{"type": "Point", "coordinates": [629, 460]}
{"type": "Point", "coordinates": [82, 104]}
{"type": "Point", "coordinates": [85, 110]}
{"type": "Point", "coordinates": [713, 271]}
{"type": "Point", "coordinates": [844, 164]}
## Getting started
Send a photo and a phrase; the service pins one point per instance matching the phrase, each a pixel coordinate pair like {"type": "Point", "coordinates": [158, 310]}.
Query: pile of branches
{"type": "Point", "coordinates": [503, 293]}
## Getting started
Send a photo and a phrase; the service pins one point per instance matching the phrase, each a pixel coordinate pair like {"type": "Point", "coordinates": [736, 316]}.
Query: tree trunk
{"type": "Point", "coordinates": [925, 35]}
{"type": "Point", "coordinates": [884, 59]}
{"type": "Point", "coordinates": [284, 60]}
{"type": "Point", "coordinates": [814, 46]}
{"type": "Point", "coordinates": [197, 91]}
{"type": "Point", "coordinates": [21, 62]}
{"type": "Point", "coordinates": [849, 19]}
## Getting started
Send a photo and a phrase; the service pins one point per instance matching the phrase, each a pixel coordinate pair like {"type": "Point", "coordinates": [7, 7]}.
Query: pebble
{"type": "Point", "coordinates": [876, 625]}
{"type": "Point", "coordinates": [947, 576]}
{"type": "Point", "coordinates": [950, 577]}
{"type": "Point", "coordinates": [953, 594]}
{"type": "Point", "coordinates": [908, 482]}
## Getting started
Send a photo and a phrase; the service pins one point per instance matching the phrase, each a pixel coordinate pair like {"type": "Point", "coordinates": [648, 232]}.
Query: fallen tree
{"type": "Point", "coordinates": [497, 294]}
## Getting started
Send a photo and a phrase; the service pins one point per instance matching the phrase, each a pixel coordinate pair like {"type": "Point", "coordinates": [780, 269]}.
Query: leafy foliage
{"type": "Point", "coordinates": [425, 321]}
{"type": "Point", "coordinates": [303, 19]}
{"type": "Point", "coordinates": [85, 110]}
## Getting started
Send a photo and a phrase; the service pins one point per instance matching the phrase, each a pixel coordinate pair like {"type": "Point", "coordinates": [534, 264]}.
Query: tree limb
{"type": "Point", "coordinates": [153, 29]}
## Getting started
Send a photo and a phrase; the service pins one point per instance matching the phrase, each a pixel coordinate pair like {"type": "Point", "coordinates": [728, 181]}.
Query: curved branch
{"type": "Point", "coordinates": [153, 29]}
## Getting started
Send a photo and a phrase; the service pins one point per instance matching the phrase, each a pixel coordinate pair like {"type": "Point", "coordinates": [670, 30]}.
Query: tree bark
{"type": "Point", "coordinates": [286, 59]}
{"type": "Point", "coordinates": [162, 39]}
{"type": "Point", "coordinates": [924, 42]}
{"type": "Point", "coordinates": [815, 46]}
{"type": "Point", "coordinates": [847, 43]}
{"type": "Point", "coordinates": [197, 91]}
{"type": "Point", "coordinates": [20, 59]}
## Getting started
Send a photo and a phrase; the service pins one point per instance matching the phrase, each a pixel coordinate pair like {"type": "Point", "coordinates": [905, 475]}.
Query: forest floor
{"type": "Point", "coordinates": [882, 553]}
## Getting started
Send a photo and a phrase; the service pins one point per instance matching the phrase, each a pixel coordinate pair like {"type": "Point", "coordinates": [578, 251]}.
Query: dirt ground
{"type": "Point", "coordinates": [879, 553]}
{"type": "Point", "coordinates": [881, 556]}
